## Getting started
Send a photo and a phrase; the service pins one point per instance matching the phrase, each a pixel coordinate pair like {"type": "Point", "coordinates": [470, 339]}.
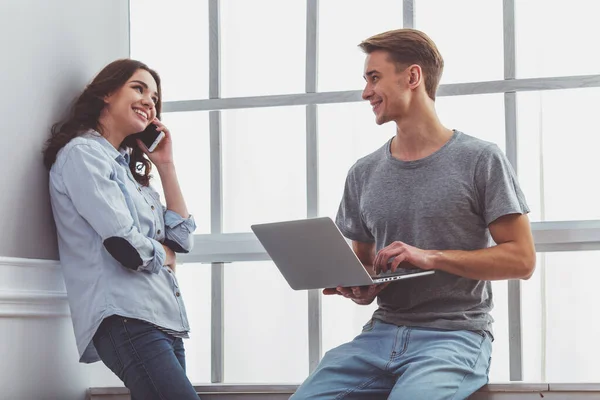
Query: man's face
{"type": "Point", "coordinates": [386, 89]}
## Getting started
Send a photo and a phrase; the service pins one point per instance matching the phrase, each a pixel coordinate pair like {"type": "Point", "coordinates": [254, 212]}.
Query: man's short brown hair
{"type": "Point", "coordinates": [407, 47]}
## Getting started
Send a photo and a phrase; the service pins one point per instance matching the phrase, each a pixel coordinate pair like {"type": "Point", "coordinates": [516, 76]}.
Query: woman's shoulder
{"type": "Point", "coordinates": [83, 146]}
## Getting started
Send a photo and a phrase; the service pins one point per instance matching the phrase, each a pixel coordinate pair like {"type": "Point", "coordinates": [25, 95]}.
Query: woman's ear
{"type": "Point", "coordinates": [108, 98]}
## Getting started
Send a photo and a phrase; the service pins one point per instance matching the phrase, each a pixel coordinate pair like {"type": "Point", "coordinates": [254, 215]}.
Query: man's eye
{"type": "Point", "coordinates": [375, 78]}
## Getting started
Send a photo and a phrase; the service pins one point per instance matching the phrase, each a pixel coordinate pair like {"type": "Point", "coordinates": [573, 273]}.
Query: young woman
{"type": "Point", "coordinates": [117, 242]}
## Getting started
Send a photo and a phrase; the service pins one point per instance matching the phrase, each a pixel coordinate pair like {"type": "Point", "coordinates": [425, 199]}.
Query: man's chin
{"type": "Point", "coordinates": [380, 120]}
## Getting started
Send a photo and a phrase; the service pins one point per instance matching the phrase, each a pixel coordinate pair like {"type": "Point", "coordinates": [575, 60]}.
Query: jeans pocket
{"type": "Point", "coordinates": [369, 325]}
{"type": "Point", "coordinates": [135, 329]}
{"type": "Point", "coordinates": [484, 334]}
{"type": "Point", "coordinates": [106, 346]}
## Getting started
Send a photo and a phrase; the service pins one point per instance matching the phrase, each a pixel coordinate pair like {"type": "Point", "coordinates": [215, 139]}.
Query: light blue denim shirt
{"type": "Point", "coordinates": [110, 230]}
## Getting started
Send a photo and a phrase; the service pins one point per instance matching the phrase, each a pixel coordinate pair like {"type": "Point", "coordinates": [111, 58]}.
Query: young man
{"type": "Point", "coordinates": [431, 197]}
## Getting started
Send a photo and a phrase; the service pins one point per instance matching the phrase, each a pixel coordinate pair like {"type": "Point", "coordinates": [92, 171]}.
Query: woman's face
{"type": "Point", "coordinates": [133, 106]}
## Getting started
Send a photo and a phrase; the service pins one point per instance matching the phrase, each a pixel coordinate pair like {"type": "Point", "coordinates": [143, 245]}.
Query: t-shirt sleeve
{"type": "Point", "coordinates": [497, 187]}
{"type": "Point", "coordinates": [349, 219]}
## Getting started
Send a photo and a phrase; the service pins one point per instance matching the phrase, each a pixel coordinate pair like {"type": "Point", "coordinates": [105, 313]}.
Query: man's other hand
{"type": "Point", "coordinates": [363, 295]}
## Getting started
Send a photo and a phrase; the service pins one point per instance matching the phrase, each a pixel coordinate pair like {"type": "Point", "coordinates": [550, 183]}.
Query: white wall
{"type": "Point", "coordinates": [50, 50]}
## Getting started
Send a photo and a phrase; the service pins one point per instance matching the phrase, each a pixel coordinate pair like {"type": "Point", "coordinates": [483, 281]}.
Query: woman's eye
{"type": "Point", "coordinates": [155, 100]}
{"type": "Point", "coordinates": [139, 89]}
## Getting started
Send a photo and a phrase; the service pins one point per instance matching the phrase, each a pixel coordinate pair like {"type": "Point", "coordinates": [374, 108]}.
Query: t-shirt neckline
{"type": "Point", "coordinates": [421, 161]}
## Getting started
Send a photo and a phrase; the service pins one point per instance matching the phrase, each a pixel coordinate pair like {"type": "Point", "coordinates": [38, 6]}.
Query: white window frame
{"type": "Point", "coordinates": [218, 248]}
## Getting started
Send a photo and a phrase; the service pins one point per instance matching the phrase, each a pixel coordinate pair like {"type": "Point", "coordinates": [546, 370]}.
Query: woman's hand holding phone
{"type": "Point", "coordinates": [162, 158]}
{"type": "Point", "coordinates": [163, 153]}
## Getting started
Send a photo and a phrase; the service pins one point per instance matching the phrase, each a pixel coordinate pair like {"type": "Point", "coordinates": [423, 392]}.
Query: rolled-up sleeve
{"type": "Point", "coordinates": [87, 179]}
{"type": "Point", "coordinates": [179, 232]}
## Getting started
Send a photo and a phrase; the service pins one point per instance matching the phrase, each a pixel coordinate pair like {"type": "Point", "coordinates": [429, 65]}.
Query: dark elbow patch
{"type": "Point", "coordinates": [123, 252]}
{"type": "Point", "coordinates": [176, 247]}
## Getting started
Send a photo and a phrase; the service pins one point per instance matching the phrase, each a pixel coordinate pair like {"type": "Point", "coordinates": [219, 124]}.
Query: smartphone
{"type": "Point", "coordinates": [151, 137]}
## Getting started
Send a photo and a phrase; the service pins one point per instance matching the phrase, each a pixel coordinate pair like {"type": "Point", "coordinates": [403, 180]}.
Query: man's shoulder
{"type": "Point", "coordinates": [467, 141]}
{"type": "Point", "coordinates": [471, 148]}
{"type": "Point", "coordinates": [365, 163]}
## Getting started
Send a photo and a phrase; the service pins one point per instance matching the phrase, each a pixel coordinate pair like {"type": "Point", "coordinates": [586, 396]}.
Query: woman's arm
{"type": "Point", "coordinates": [178, 222]}
{"type": "Point", "coordinates": [85, 178]}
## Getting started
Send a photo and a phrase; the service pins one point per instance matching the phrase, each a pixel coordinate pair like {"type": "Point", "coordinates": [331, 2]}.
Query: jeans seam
{"type": "Point", "coordinates": [114, 345]}
{"type": "Point", "coordinates": [141, 362]}
{"type": "Point", "coordinates": [469, 373]}
{"type": "Point", "coordinates": [395, 343]}
{"type": "Point", "coordinates": [480, 345]}
{"type": "Point", "coordinates": [406, 341]}
{"type": "Point", "coordinates": [361, 386]}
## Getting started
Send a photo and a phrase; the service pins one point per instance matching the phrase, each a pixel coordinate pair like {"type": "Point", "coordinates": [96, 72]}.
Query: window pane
{"type": "Point", "coordinates": [342, 320]}
{"type": "Point", "coordinates": [532, 324]}
{"type": "Point", "coordinates": [342, 26]}
{"type": "Point", "coordinates": [347, 132]}
{"type": "Point", "coordinates": [559, 45]}
{"type": "Point", "coordinates": [500, 368]}
{"type": "Point", "coordinates": [468, 34]}
{"type": "Point", "coordinates": [264, 166]}
{"type": "Point", "coordinates": [480, 115]}
{"type": "Point", "coordinates": [263, 47]}
{"type": "Point", "coordinates": [195, 283]}
{"type": "Point", "coordinates": [191, 151]}
{"type": "Point", "coordinates": [558, 150]}
{"type": "Point", "coordinates": [266, 326]}
{"type": "Point", "coordinates": [564, 293]}
{"type": "Point", "coordinates": [172, 38]}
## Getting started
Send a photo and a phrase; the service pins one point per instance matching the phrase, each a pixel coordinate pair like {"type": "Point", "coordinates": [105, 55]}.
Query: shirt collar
{"type": "Point", "coordinates": [117, 155]}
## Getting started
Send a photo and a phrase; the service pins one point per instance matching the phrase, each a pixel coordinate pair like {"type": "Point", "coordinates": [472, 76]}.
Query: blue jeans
{"type": "Point", "coordinates": [149, 361]}
{"type": "Point", "coordinates": [402, 363]}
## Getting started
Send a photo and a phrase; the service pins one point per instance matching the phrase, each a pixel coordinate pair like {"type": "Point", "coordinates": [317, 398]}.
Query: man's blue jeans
{"type": "Point", "coordinates": [402, 363]}
{"type": "Point", "coordinates": [149, 361]}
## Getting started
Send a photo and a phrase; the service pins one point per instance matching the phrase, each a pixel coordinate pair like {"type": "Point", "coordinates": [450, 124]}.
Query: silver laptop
{"type": "Point", "coordinates": [313, 254]}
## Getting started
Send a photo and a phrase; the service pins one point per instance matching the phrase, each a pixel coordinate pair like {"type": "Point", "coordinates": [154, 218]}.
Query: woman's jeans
{"type": "Point", "coordinates": [149, 361]}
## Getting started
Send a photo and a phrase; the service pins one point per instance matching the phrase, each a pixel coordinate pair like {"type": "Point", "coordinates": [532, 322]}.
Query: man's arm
{"type": "Point", "coordinates": [513, 256]}
{"type": "Point", "coordinates": [365, 253]}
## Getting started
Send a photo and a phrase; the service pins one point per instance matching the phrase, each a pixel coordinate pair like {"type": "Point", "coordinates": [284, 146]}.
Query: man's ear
{"type": "Point", "coordinates": [415, 74]}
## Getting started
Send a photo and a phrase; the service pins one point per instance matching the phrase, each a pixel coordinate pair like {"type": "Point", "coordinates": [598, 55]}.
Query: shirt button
{"type": "Point", "coordinates": [158, 232]}
{"type": "Point", "coordinates": [177, 294]}
{"type": "Point", "coordinates": [139, 189]}
{"type": "Point", "coordinates": [152, 207]}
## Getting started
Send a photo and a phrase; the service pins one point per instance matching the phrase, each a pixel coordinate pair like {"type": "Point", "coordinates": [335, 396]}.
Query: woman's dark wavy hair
{"type": "Point", "coordinates": [85, 114]}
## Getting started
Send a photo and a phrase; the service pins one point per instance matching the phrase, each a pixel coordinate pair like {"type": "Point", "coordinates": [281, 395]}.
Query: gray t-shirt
{"type": "Point", "coordinates": [444, 201]}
